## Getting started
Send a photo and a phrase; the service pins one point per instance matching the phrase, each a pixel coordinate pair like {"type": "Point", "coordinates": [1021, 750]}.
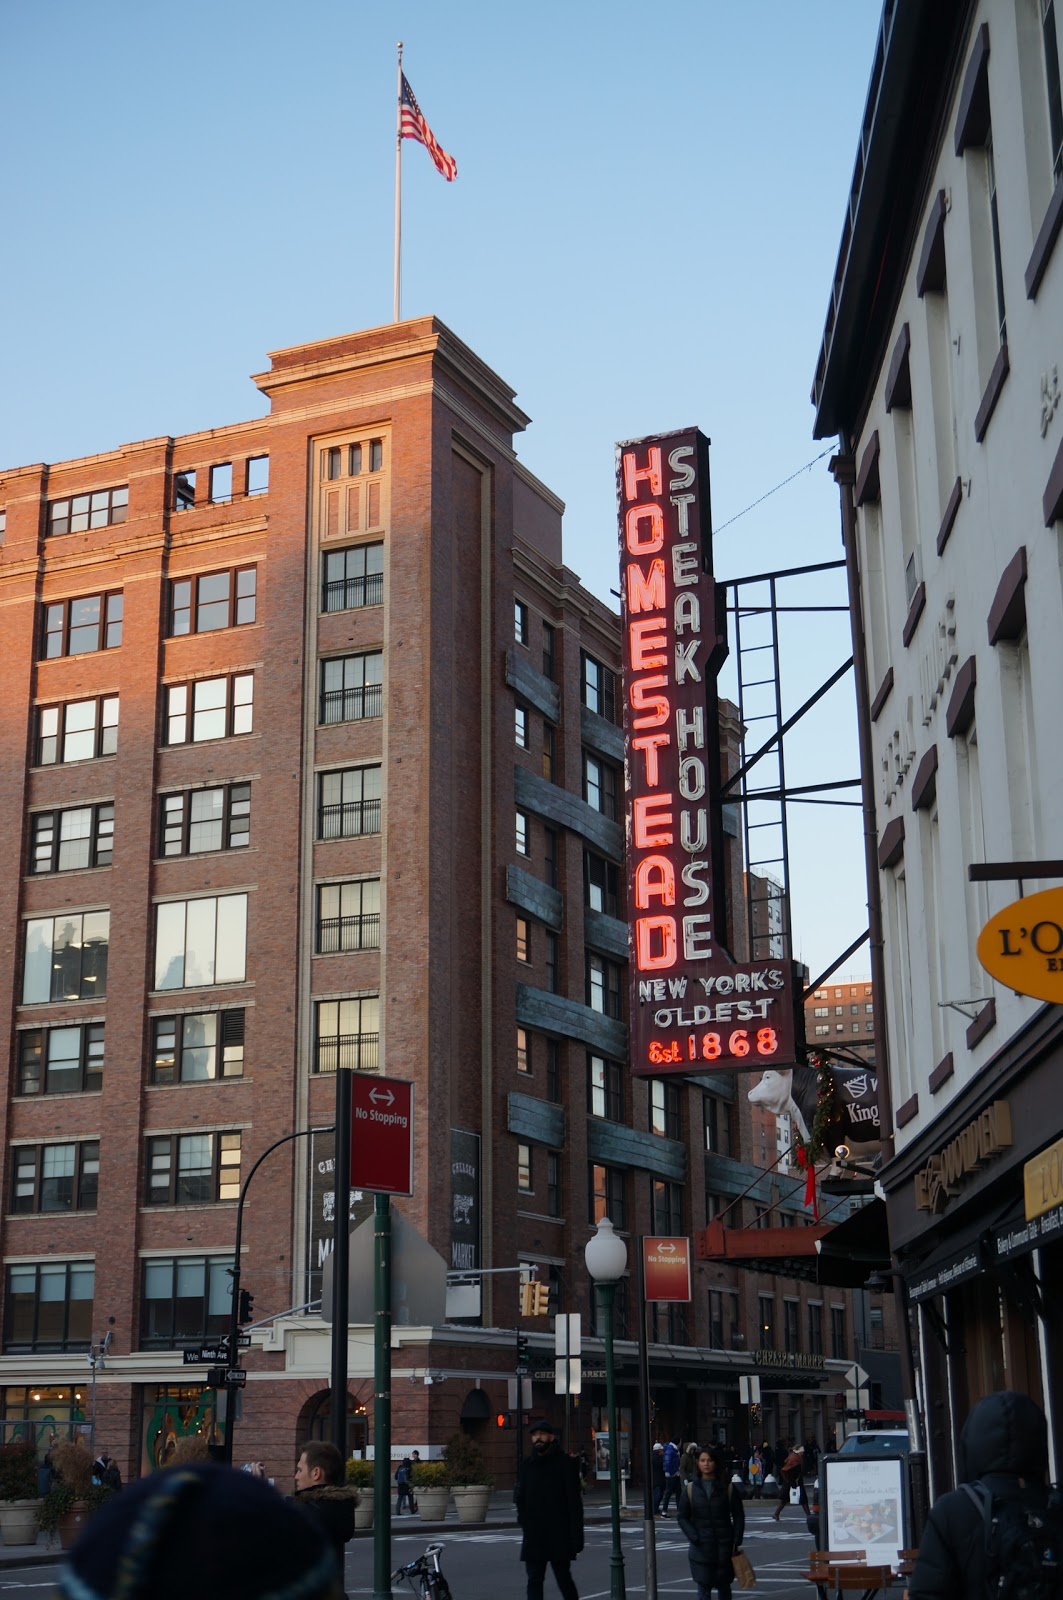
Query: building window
{"type": "Point", "coordinates": [553, 1071]}
{"type": "Point", "coordinates": [522, 833]}
{"type": "Point", "coordinates": [184, 490]}
{"type": "Point", "coordinates": [77, 627]}
{"type": "Point", "coordinates": [791, 1310]}
{"type": "Point", "coordinates": [353, 578]}
{"type": "Point", "coordinates": [66, 957]}
{"type": "Point", "coordinates": [553, 974]}
{"type": "Point", "coordinates": [600, 786]}
{"type": "Point", "coordinates": [523, 1051]}
{"type": "Point", "coordinates": [520, 726]}
{"type": "Point", "coordinates": [348, 916]}
{"type": "Point", "coordinates": [63, 841]}
{"type": "Point", "coordinates": [347, 1035]}
{"type": "Point", "coordinates": [3, 525]}
{"type": "Point", "coordinates": [79, 730]}
{"type": "Point", "coordinates": [815, 1328]}
{"type": "Point", "coordinates": [221, 483]}
{"type": "Point", "coordinates": [257, 479]}
{"type": "Point", "coordinates": [520, 622]}
{"type": "Point", "coordinates": [523, 939]}
{"type": "Point", "coordinates": [821, 1011]}
{"type": "Point", "coordinates": [209, 708]}
{"type": "Point", "coordinates": [549, 658]}
{"type": "Point", "coordinates": [549, 751]}
{"type": "Point", "coordinates": [185, 1299]}
{"type": "Point", "coordinates": [348, 803]}
{"type": "Point", "coordinates": [838, 1348]}
{"type": "Point", "coordinates": [524, 1168]}
{"type": "Point", "coordinates": [205, 819]}
{"type": "Point", "coordinates": [994, 219]}
{"type": "Point", "coordinates": [666, 1208]}
{"type": "Point", "coordinates": [550, 856]}
{"type": "Point", "coordinates": [603, 985]}
{"type": "Point", "coordinates": [213, 600]}
{"type": "Point", "coordinates": [55, 1177]}
{"type": "Point", "coordinates": [607, 1196]}
{"type": "Point", "coordinates": [597, 687]}
{"type": "Point", "coordinates": [822, 1028]}
{"type": "Point", "coordinates": [197, 1047]}
{"type": "Point", "coordinates": [664, 1108]}
{"type": "Point", "coordinates": [352, 688]}
{"type": "Point", "coordinates": [718, 1125]}
{"type": "Point", "coordinates": [605, 1088]}
{"type": "Point", "coordinates": [79, 512]}
{"type": "Point", "coordinates": [60, 1060]}
{"type": "Point", "coordinates": [48, 1306]}
{"type": "Point", "coordinates": [601, 884]}
{"type": "Point", "coordinates": [201, 942]}
{"type": "Point", "coordinates": [869, 1008]}
{"type": "Point", "coordinates": [553, 1184]}
{"type": "Point", "coordinates": [766, 1304]}
{"type": "Point", "coordinates": [192, 1169]}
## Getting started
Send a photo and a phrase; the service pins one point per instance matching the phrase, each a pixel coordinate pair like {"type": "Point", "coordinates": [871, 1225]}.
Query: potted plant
{"type": "Point", "coordinates": [468, 1477]}
{"type": "Point", "coordinates": [66, 1507]}
{"type": "Point", "coordinates": [360, 1474]}
{"type": "Point", "coordinates": [19, 1500]}
{"type": "Point", "coordinates": [431, 1488]}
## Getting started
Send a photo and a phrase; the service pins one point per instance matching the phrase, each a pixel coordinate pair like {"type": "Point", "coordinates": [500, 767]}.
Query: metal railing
{"type": "Point", "coordinates": [351, 1052]}
{"type": "Point", "coordinates": [348, 933]}
{"type": "Point", "coordinates": [348, 594]}
{"type": "Point", "coordinates": [348, 820]}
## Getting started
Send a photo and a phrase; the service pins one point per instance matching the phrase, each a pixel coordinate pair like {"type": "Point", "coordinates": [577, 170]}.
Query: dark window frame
{"type": "Point", "coordinates": [606, 786]}
{"type": "Point", "coordinates": [355, 591]}
{"type": "Point", "coordinates": [46, 839]}
{"type": "Point", "coordinates": [85, 508]}
{"type": "Point", "coordinates": [210, 1324]}
{"type": "Point", "coordinates": [35, 1060]}
{"type": "Point", "coordinates": [666, 1109]}
{"type": "Point", "coordinates": [179, 1189]}
{"type": "Point", "coordinates": [187, 589]}
{"type": "Point", "coordinates": [358, 1052]}
{"type": "Point", "coordinates": [352, 932]}
{"type": "Point", "coordinates": [167, 1062]}
{"type": "Point", "coordinates": [91, 970]}
{"type": "Point", "coordinates": [233, 709]}
{"type": "Point", "coordinates": [77, 1328]}
{"type": "Point", "coordinates": [104, 732]}
{"type": "Point", "coordinates": [176, 822]}
{"type": "Point", "coordinates": [605, 1088]}
{"type": "Point", "coordinates": [602, 875]}
{"type": "Point", "coordinates": [111, 604]}
{"type": "Point", "coordinates": [606, 1194]}
{"type": "Point", "coordinates": [597, 684]}
{"type": "Point", "coordinates": [611, 988]}
{"type": "Point", "coordinates": [83, 1179]}
{"type": "Point", "coordinates": [367, 810]}
{"type": "Point", "coordinates": [520, 621]}
{"type": "Point", "coordinates": [367, 697]}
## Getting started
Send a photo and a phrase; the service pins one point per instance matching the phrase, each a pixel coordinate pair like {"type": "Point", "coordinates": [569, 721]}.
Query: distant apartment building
{"type": "Point", "coordinates": [842, 1016]}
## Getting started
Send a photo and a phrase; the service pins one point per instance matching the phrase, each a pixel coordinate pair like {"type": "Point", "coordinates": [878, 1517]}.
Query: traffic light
{"type": "Point", "coordinates": [215, 1378]}
{"type": "Point", "coordinates": [523, 1353]}
{"type": "Point", "coordinates": [504, 1419]}
{"type": "Point", "coordinates": [247, 1306]}
{"type": "Point", "coordinates": [534, 1299]}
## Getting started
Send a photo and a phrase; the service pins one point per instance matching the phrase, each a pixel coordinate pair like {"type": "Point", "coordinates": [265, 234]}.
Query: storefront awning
{"type": "Point", "coordinates": [842, 1256]}
{"type": "Point", "coordinates": [857, 1247]}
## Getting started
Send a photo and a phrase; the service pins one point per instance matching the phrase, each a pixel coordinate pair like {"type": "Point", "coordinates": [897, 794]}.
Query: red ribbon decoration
{"type": "Point", "coordinates": [809, 1169]}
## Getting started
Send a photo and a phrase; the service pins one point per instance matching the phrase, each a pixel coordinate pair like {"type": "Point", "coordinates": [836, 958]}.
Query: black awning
{"type": "Point", "coordinates": [855, 1248]}
{"type": "Point", "coordinates": [475, 1406]}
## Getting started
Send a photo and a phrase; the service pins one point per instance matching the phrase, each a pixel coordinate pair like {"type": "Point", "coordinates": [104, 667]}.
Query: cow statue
{"type": "Point", "coordinates": [796, 1090]}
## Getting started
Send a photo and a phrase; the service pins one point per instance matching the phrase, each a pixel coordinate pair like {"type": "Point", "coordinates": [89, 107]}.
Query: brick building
{"type": "Point", "coordinates": [311, 757]}
{"type": "Point", "coordinates": [841, 1016]}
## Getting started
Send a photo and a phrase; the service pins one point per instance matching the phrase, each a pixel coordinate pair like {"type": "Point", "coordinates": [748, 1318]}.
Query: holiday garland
{"type": "Point", "coordinates": [811, 1150]}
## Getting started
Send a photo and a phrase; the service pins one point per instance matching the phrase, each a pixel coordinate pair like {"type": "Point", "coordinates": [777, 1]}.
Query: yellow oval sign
{"type": "Point", "coordinates": [1022, 946]}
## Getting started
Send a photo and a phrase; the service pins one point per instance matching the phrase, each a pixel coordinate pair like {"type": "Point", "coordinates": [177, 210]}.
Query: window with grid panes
{"type": "Point", "coordinates": [78, 730]}
{"type": "Point", "coordinates": [607, 1195]}
{"type": "Point", "coordinates": [61, 1060]}
{"type": "Point", "coordinates": [199, 820]}
{"type": "Point", "coordinates": [347, 1034]}
{"type": "Point", "coordinates": [352, 688]}
{"type": "Point", "coordinates": [63, 841]}
{"type": "Point", "coordinates": [523, 1051]}
{"type": "Point", "coordinates": [78, 513]}
{"type": "Point", "coordinates": [48, 1306]}
{"type": "Point", "coordinates": [605, 1088]}
{"type": "Point", "coordinates": [184, 1299]}
{"type": "Point", "coordinates": [664, 1108]}
{"type": "Point", "coordinates": [66, 957]}
{"type": "Point", "coordinates": [352, 485]}
{"type": "Point", "coordinates": [601, 785]}
{"type": "Point", "coordinates": [55, 1177]}
{"type": "Point", "coordinates": [212, 600]}
{"type": "Point", "coordinates": [598, 687]}
{"type": "Point", "coordinates": [192, 1169]}
{"type": "Point", "coordinates": [603, 985]}
{"type": "Point", "coordinates": [524, 1168]}
{"type": "Point", "coordinates": [520, 622]}
{"type": "Point", "coordinates": [209, 708]}
{"type": "Point", "coordinates": [197, 1047]}
{"type": "Point", "coordinates": [78, 627]}
{"type": "Point", "coordinates": [352, 578]}
{"type": "Point", "coordinates": [522, 833]}
{"type": "Point", "coordinates": [520, 726]}
{"type": "Point", "coordinates": [601, 884]}
{"type": "Point", "coordinates": [523, 939]}
{"type": "Point", "coordinates": [348, 916]}
{"type": "Point", "coordinates": [348, 803]}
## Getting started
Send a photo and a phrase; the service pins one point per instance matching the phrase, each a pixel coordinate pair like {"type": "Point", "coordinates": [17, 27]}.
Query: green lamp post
{"type": "Point", "coordinates": [606, 1258]}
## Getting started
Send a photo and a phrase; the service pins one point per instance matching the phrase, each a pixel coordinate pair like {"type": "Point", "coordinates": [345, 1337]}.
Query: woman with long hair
{"type": "Point", "coordinates": [713, 1518]}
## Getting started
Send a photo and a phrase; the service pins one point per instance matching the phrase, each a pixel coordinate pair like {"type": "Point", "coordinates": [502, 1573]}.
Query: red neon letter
{"type": "Point", "coordinates": [651, 743]}
{"type": "Point", "coordinates": [641, 700]}
{"type": "Point", "coordinates": [653, 825]}
{"type": "Point", "coordinates": [645, 590]}
{"type": "Point", "coordinates": [664, 929]}
{"type": "Point", "coordinates": [654, 876]}
{"type": "Point", "coordinates": [647, 642]}
{"type": "Point", "coordinates": [654, 540]}
{"type": "Point", "coordinates": [651, 472]}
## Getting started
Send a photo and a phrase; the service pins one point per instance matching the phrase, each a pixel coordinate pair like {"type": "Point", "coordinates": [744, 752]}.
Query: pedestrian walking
{"type": "Point", "coordinates": [1000, 1532]}
{"type": "Point", "coordinates": [672, 1483]}
{"type": "Point", "coordinates": [687, 1460]}
{"type": "Point", "coordinates": [405, 1486]}
{"type": "Point", "coordinates": [791, 1477]}
{"type": "Point", "coordinates": [756, 1472]}
{"type": "Point", "coordinates": [550, 1512]}
{"type": "Point", "coordinates": [322, 1491]}
{"type": "Point", "coordinates": [713, 1519]}
{"type": "Point", "coordinates": [657, 1476]}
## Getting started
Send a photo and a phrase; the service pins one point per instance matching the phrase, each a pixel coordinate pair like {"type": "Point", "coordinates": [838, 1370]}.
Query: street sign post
{"type": "Point", "coordinates": [381, 1134]}
{"type": "Point", "coordinates": [666, 1263]}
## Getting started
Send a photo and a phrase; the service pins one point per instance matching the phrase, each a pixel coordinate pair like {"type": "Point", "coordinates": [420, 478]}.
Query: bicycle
{"type": "Point", "coordinates": [426, 1573]}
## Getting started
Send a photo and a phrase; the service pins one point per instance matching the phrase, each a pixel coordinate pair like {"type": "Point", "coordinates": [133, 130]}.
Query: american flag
{"type": "Point", "coordinates": [413, 126]}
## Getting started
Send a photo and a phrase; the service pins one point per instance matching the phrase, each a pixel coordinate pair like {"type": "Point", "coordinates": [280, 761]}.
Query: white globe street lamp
{"type": "Point", "coordinates": [606, 1258]}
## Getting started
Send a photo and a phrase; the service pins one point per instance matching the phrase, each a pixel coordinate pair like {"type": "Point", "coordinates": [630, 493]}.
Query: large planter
{"type": "Point", "coordinates": [18, 1521]}
{"type": "Point", "coordinates": [432, 1503]}
{"type": "Point", "coordinates": [72, 1522]}
{"type": "Point", "coordinates": [472, 1501]}
{"type": "Point", "coordinates": [363, 1511]}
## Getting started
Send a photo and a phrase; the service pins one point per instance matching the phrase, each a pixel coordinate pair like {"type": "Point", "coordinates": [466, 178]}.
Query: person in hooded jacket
{"type": "Point", "coordinates": [1004, 1444]}
{"type": "Point", "coordinates": [322, 1492]}
{"type": "Point", "coordinates": [713, 1518]}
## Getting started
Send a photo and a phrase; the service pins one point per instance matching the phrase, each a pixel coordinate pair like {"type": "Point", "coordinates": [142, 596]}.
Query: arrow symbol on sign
{"type": "Point", "coordinates": [382, 1094]}
{"type": "Point", "coordinates": [666, 1249]}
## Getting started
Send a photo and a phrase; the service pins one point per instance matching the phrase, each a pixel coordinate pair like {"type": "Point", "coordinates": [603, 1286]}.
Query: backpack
{"type": "Point", "coordinates": [1023, 1545]}
{"type": "Point", "coordinates": [402, 1474]}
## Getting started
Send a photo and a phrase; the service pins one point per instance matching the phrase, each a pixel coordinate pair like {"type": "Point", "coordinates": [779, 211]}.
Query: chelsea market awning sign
{"type": "Point", "coordinates": [692, 1008]}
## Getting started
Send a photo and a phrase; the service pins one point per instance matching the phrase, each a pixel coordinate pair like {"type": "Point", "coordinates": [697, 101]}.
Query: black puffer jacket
{"type": "Point", "coordinates": [331, 1507]}
{"type": "Point", "coordinates": [712, 1516]}
{"type": "Point", "coordinates": [1004, 1444]}
{"type": "Point", "coordinates": [550, 1507]}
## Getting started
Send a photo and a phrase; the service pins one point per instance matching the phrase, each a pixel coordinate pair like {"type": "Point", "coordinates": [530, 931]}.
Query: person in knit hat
{"type": "Point", "coordinates": [200, 1530]}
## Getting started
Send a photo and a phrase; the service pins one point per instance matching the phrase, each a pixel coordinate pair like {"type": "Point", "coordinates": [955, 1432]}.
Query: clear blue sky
{"type": "Point", "coordinates": [642, 236]}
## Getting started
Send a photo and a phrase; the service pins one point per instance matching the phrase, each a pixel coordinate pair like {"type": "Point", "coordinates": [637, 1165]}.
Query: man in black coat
{"type": "Point", "coordinates": [1004, 1444]}
{"type": "Point", "coordinates": [322, 1492]}
{"type": "Point", "coordinates": [550, 1512]}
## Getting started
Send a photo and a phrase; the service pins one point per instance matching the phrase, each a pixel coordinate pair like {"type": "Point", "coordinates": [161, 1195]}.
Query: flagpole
{"type": "Point", "coordinates": [398, 184]}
